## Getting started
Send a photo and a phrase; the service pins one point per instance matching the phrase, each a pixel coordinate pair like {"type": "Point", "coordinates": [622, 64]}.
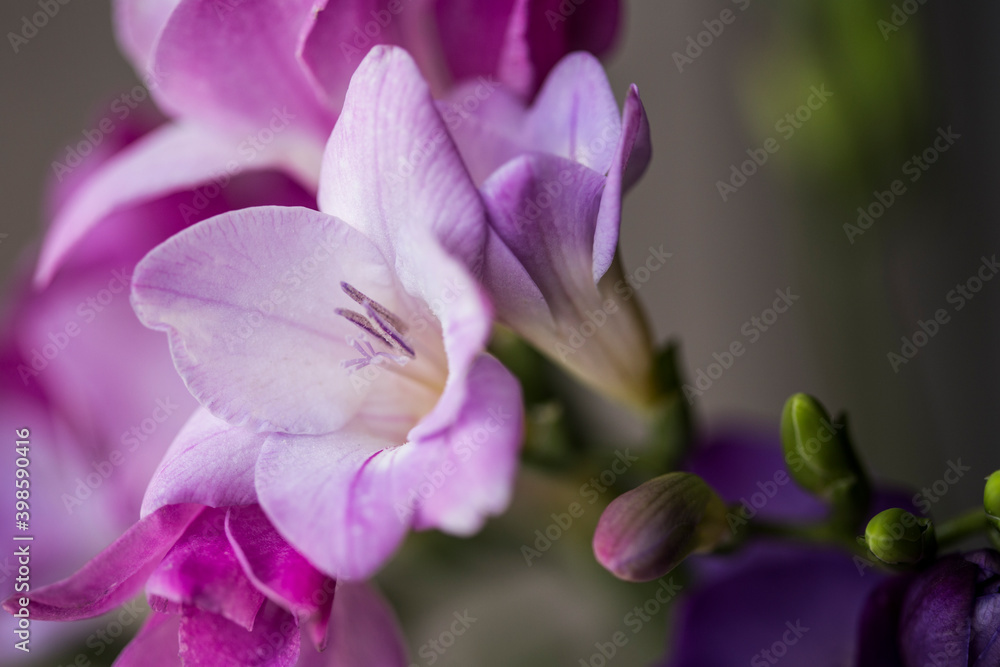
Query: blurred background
{"type": "Point", "coordinates": [881, 93]}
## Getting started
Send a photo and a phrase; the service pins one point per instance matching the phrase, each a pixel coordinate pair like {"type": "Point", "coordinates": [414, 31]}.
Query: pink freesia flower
{"type": "Point", "coordinates": [552, 175]}
{"type": "Point", "coordinates": [96, 390]}
{"type": "Point", "coordinates": [225, 589]}
{"type": "Point", "coordinates": [339, 353]}
{"type": "Point", "coordinates": [56, 462]}
{"type": "Point", "coordinates": [258, 84]}
{"type": "Point", "coordinates": [80, 344]}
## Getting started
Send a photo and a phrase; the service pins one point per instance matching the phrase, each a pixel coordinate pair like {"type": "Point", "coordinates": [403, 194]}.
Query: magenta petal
{"type": "Point", "coordinates": [279, 571]}
{"type": "Point", "coordinates": [236, 66]}
{"type": "Point", "coordinates": [595, 27]}
{"type": "Point", "coordinates": [117, 573]}
{"type": "Point", "coordinates": [123, 426]}
{"type": "Point", "coordinates": [482, 38]}
{"type": "Point", "coordinates": [209, 640]}
{"type": "Point", "coordinates": [337, 42]}
{"type": "Point", "coordinates": [202, 571]}
{"type": "Point", "coordinates": [155, 645]}
{"type": "Point", "coordinates": [250, 302]}
{"type": "Point", "coordinates": [176, 157]}
{"type": "Point", "coordinates": [556, 29]}
{"type": "Point", "coordinates": [364, 630]}
{"type": "Point", "coordinates": [631, 159]}
{"type": "Point", "coordinates": [210, 463]}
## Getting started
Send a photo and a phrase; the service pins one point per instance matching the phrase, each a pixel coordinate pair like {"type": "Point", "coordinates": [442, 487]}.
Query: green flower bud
{"type": "Point", "coordinates": [991, 499]}
{"type": "Point", "coordinates": [647, 532]}
{"type": "Point", "coordinates": [896, 537]}
{"type": "Point", "coordinates": [817, 450]}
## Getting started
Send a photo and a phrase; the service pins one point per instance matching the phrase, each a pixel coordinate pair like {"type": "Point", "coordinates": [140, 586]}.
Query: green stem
{"type": "Point", "coordinates": [818, 533]}
{"type": "Point", "coordinates": [961, 527]}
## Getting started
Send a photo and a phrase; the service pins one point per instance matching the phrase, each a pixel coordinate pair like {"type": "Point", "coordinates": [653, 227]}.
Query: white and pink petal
{"type": "Point", "coordinates": [209, 463]}
{"type": "Point", "coordinates": [250, 300]}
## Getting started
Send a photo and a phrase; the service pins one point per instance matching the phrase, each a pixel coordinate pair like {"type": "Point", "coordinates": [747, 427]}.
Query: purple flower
{"type": "Point", "coordinates": [769, 603]}
{"type": "Point", "coordinates": [948, 615]}
{"type": "Point", "coordinates": [258, 84]}
{"type": "Point", "coordinates": [225, 589]}
{"type": "Point", "coordinates": [340, 353]}
{"type": "Point", "coordinates": [553, 175]}
{"type": "Point", "coordinates": [97, 391]}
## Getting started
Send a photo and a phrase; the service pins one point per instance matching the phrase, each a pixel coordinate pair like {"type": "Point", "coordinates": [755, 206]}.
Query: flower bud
{"type": "Point", "coordinates": [818, 453]}
{"type": "Point", "coordinates": [896, 537]}
{"type": "Point", "coordinates": [647, 532]}
{"type": "Point", "coordinates": [991, 499]}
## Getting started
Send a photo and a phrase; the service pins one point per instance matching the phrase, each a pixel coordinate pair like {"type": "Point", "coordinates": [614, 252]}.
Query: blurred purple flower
{"type": "Point", "coordinates": [948, 615]}
{"type": "Point", "coordinates": [340, 354]}
{"type": "Point", "coordinates": [97, 390]}
{"type": "Point", "coordinates": [768, 603]}
{"type": "Point", "coordinates": [553, 175]}
{"type": "Point", "coordinates": [225, 589]}
{"type": "Point", "coordinates": [257, 84]}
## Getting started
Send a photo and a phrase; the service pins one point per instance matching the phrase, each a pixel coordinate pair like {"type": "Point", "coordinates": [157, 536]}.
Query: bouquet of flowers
{"type": "Point", "coordinates": [314, 334]}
